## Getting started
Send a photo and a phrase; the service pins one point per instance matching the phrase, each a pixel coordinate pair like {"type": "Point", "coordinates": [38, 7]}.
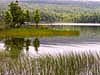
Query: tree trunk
{"type": "Point", "coordinates": [36, 25]}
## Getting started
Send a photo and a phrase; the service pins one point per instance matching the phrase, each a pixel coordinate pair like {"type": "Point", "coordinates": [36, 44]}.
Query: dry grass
{"type": "Point", "coordinates": [48, 65]}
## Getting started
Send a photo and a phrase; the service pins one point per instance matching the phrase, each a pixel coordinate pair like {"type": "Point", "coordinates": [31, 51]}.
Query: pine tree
{"type": "Point", "coordinates": [37, 17]}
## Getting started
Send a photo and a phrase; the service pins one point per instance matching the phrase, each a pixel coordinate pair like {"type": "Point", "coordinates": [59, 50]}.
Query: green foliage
{"type": "Point", "coordinates": [56, 13]}
{"type": "Point", "coordinates": [81, 17]}
{"type": "Point", "coordinates": [37, 17]}
{"type": "Point", "coordinates": [15, 16]}
{"type": "Point", "coordinates": [8, 18]}
{"type": "Point", "coordinates": [71, 12]}
{"type": "Point", "coordinates": [27, 16]}
{"type": "Point", "coordinates": [89, 18]}
{"type": "Point", "coordinates": [16, 13]}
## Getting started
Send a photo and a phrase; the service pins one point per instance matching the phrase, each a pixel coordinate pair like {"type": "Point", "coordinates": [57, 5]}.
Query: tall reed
{"type": "Point", "coordinates": [73, 64]}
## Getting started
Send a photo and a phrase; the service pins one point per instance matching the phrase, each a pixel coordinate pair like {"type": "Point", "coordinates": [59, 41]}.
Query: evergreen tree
{"type": "Point", "coordinates": [37, 17]}
{"type": "Point", "coordinates": [27, 16]}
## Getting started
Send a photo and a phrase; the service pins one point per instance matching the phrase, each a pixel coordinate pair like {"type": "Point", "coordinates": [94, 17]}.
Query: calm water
{"type": "Point", "coordinates": [88, 41]}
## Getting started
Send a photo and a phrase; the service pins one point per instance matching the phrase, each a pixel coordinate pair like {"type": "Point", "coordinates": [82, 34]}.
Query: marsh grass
{"type": "Point", "coordinates": [32, 32]}
{"type": "Point", "coordinates": [73, 64]}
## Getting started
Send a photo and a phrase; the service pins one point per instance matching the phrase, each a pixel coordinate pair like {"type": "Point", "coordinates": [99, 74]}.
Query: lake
{"type": "Point", "coordinates": [56, 55]}
{"type": "Point", "coordinates": [87, 42]}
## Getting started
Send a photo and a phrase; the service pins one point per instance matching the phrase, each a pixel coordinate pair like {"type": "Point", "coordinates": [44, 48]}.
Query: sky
{"type": "Point", "coordinates": [89, 0]}
{"type": "Point", "coordinates": [82, 0]}
{"type": "Point", "coordinates": [58, 0]}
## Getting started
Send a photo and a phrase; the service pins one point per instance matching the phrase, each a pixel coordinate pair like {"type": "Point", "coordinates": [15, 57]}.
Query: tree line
{"type": "Point", "coordinates": [15, 16]}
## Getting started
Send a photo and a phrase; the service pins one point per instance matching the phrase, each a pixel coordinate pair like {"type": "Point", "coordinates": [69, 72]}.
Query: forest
{"type": "Point", "coordinates": [69, 12]}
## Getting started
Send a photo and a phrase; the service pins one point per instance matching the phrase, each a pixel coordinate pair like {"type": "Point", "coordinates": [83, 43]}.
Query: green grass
{"type": "Point", "coordinates": [32, 32]}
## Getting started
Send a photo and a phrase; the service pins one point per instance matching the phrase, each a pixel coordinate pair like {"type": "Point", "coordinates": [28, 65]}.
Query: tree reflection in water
{"type": "Point", "coordinates": [36, 44]}
{"type": "Point", "coordinates": [27, 44]}
{"type": "Point", "coordinates": [14, 46]}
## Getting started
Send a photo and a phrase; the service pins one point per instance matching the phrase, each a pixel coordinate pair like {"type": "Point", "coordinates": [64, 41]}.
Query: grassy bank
{"type": "Point", "coordinates": [31, 32]}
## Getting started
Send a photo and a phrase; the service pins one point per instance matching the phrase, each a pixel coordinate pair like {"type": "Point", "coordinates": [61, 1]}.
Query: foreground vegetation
{"type": "Point", "coordinates": [32, 32]}
{"type": "Point", "coordinates": [85, 64]}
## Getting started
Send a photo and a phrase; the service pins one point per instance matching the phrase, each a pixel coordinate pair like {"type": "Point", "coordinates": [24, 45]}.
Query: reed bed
{"type": "Point", "coordinates": [73, 64]}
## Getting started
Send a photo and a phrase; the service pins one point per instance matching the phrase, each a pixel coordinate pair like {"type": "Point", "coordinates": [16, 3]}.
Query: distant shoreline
{"type": "Point", "coordinates": [71, 24]}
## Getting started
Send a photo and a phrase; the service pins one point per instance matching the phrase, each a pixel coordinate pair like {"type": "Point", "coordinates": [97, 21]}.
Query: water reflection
{"type": "Point", "coordinates": [14, 46]}
{"type": "Point", "coordinates": [36, 44]}
{"type": "Point", "coordinates": [85, 31]}
{"type": "Point", "coordinates": [89, 39]}
{"type": "Point", "coordinates": [27, 44]}
{"type": "Point", "coordinates": [52, 46]}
